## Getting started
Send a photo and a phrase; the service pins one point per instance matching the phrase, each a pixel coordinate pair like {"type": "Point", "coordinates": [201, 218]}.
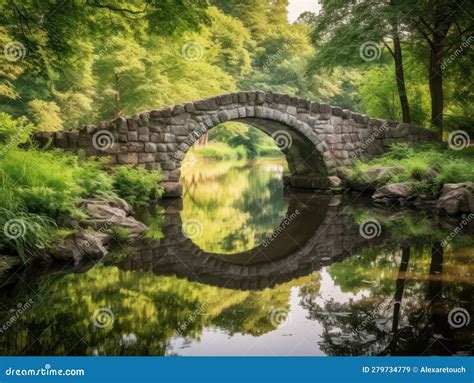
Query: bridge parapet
{"type": "Point", "coordinates": [318, 139]}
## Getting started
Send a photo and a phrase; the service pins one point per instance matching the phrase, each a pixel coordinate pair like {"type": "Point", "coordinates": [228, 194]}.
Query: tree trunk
{"type": "Point", "coordinates": [436, 83]}
{"type": "Point", "coordinates": [399, 287]}
{"type": "Point", "coordinates": [399, 74]}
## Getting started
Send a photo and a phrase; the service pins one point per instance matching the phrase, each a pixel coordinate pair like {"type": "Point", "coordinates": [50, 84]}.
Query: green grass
{"type": "Point", "coordinates": [428, 166]}
{"type": "Point", "coordinates": [219, 151]}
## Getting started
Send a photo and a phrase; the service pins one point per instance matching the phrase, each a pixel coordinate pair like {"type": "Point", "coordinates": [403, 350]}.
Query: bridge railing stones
{"type": "Point", "coordinates": [160, 138]}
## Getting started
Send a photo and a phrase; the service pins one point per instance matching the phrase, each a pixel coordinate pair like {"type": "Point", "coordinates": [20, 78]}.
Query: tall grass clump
{"type": "Point", "coordinates": [136, 185]}
{"type": "Point", "coordinates": [427, 166]}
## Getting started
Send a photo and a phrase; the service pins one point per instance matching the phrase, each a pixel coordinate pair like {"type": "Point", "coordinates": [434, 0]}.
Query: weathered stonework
{"type": "Point", "coordinates": [319, 140]}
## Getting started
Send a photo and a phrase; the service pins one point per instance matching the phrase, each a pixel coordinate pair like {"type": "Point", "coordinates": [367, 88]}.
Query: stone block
{"type": "Point", "coordinates": [168, 165]}
{"type": "Point", "coordinates": [169, 137]}
{"type": "Point", "coordinates": [127, 158]}
{"type": "Point", "coordinates": [146, 157]}
{"type": "Point", "coordinates": [136, 147]}
{"type": "Point", "coordinates": [150, 147]}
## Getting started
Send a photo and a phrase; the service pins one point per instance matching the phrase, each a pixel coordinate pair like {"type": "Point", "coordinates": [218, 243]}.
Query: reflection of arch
{"type": "Point", "coordinates": [326, 234]}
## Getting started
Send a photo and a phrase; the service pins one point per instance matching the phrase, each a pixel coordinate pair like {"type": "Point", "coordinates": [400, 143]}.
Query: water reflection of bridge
{"type": "Point", "coordinates": [317, 231]}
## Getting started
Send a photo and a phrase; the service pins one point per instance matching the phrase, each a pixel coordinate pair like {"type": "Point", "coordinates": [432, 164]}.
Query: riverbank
{"type": "Point", "coordinates": [42, 192]}
{"type": "Point", "coordinates": [423, 176]}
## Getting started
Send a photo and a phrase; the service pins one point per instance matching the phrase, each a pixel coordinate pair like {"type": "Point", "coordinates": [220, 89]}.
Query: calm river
{"type": "Point", "coordinates": [240, 267]}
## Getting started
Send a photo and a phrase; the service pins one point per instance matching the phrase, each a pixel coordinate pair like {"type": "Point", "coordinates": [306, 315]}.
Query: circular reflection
{"type": "Point", "coordinates": [236, 204]}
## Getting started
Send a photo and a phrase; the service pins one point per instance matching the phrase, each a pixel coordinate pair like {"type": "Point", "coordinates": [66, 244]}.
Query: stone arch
{"type": "Point", "coordinates": [329, 137]}
{"type": "Point", "coordinates": [296, 141]}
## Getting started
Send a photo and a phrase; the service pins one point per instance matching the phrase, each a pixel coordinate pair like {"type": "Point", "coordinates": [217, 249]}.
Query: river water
{"type": "Point", "coordinates": [241, 267]}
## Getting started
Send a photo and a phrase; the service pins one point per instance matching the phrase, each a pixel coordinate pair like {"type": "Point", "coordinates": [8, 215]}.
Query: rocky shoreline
{"type": "Point", "coordinates": [452, 199]}
{"type": "Point", "coordinates": [92, 235]}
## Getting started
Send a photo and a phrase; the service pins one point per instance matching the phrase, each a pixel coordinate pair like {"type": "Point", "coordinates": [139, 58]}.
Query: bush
{"type": "Point", "coordinates": [25, 232]}
{"type": "Point", "coordinates": [137, 185]}
{"type": "Point", "coordinates": [49, 182]}
{"type": "Point", "coordinates": [13, 132]}
{"type": "Point", "coordinates": [428, 166]}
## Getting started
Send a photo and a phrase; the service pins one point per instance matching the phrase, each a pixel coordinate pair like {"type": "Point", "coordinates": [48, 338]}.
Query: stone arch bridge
{"type": "Point", "coordinates": [319, 140]}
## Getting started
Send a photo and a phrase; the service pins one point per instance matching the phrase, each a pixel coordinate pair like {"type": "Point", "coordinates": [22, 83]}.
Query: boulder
{"type": "Point", "coordinates": [78, 246]}
{"type": "Point", "coordinates": [456, 199]}
{"type": "Point", "coordinates": [396, 192]}
{"type": "Point", "coordinates": [373, 177]}
{"type": "Point", "coordinates": [105, 212]}
{"type": "Point", "coordinates": [449, 187]}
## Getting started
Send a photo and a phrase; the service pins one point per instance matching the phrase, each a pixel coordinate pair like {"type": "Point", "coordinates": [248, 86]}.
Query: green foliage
{"type": "Point", "coordinates": [45, 115]}
{"type": "Point", "coordinates": [49, 182]}
{"type": "Point", "coordinates": [219, 151]}
{"type": "Point", "coordinates": [428, 166]}
{"type": "Point", "coordinates": [240, 137]}
{"type": "Point", "coordinates": [137, 185]}
{"type": "Point", "coordinates": [13, 132]}
{"type": "Point", "coordinates": [27, 233]}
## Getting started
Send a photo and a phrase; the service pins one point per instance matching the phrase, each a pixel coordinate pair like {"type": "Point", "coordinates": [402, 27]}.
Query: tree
{"type": "Point", "coordinates": [441, 24]}
{"type": "Point", "coordinates": [345, 28]}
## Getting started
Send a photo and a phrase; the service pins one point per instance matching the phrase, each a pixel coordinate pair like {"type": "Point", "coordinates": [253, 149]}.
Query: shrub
{"type": "Point", "coordinates": [49, 182]}
{"type": "Point", "coordinates": [428, 166]}
{"type": "Point", "coordinates": [25, 232]}
{"type": "Point", "coordinates": [137, 185]}
{"type": "Point", "coordinates": [13, 132]}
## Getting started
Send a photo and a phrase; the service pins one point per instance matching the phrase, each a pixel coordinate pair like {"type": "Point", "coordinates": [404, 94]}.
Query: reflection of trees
{"type": "Point", "coordinates": [238, 205]}
{"type": "Point", "coordinates": [408, 319]}
{"type": "Point", "coordinates": [147, 308]}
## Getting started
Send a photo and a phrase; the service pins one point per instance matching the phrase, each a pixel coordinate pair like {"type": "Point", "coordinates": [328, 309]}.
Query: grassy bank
{"type": "Point", "coordinates": [40, 188]}
{"type": "Point", "coordinates": [428, 166]}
